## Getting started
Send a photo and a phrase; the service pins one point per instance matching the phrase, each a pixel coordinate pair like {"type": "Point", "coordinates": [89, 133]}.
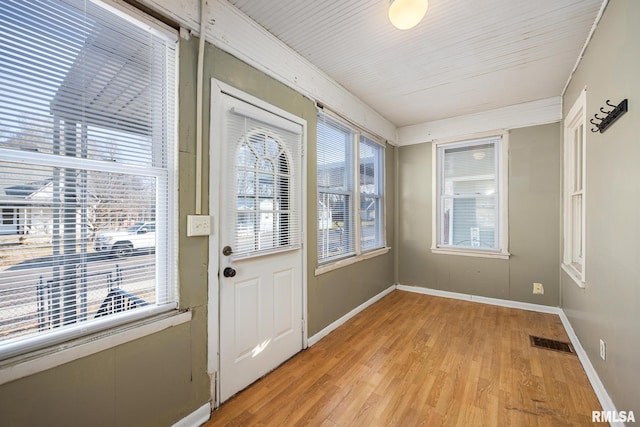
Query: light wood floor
{"type": "Point", "coordinates": [413, 359]}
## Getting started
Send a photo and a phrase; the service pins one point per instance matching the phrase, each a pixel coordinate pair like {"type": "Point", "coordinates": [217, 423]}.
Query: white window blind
{"type": "Point", "coordinates": [469, 195]}
{"type": "Point", "coordinates": [87, 171]}
{"type": "Point", "coordinates": [350, 191]}
{"type": "Point", "coordinates": [265, 158]}
{"type": "Point", "coordinates": [336, 228]}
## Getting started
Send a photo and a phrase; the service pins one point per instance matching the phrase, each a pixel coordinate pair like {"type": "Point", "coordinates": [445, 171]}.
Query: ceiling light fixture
{"type": "Point", "coordinates": [405, 14]}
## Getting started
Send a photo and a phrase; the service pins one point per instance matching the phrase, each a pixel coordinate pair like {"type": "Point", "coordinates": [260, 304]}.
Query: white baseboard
{"type": "Point", "coordinates": [196, 418]}
{"type": "Point", "coordinates": [594, 379]}
{"type": "Point", "coordinates": [326, 331]}
{"type": "Point", "coordinates": [484, 300]}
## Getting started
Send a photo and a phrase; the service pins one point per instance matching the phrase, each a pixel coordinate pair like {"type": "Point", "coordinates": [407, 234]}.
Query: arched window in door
{"type": "Point", "coordinates": [264, 209]}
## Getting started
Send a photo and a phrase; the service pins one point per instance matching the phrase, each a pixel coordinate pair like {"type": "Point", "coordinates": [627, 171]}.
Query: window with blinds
{"type": "Point", "coordinates": [350, 191]}
{"type": "Point", "coordinates": [469, 195]}
{"type": "Point", "coordinates": [87, 171]}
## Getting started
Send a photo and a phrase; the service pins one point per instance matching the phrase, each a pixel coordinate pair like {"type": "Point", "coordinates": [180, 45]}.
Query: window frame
{"type": "Point", "coordinates": [574, 265]}
{"type": "Point", "coordinates": [87, 337]}
{"type": "Point", "coordinates": [354, 190]}
{"type": "Point", "coordinates": [502, 171]}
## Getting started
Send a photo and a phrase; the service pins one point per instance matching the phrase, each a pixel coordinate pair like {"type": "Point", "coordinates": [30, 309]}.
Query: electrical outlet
{"type": "Point", "coordinates": [603, 350]}
{"type": "Point", "coordinates": [538, 288]}
{"type": "Point", "coordinates": [198, 225]}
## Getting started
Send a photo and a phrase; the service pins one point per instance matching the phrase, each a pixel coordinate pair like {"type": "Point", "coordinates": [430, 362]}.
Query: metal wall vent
{"type": "Point", "coordinates": [539, 342]}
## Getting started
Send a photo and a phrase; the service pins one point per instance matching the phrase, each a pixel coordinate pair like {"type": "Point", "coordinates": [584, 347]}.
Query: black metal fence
{"type": "Point", "coordinates": [52, 309]}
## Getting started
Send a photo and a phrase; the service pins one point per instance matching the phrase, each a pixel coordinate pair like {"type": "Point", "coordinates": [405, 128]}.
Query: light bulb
{"type": "Point", "coordinates": [405, 14]}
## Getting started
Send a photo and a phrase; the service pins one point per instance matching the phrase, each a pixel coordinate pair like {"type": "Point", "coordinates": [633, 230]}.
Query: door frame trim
{"type": "Point", "coordinates": [220, 89]}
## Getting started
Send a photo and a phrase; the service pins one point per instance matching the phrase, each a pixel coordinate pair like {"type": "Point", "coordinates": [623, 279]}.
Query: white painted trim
{"type": "Point", "coordinates": [512, 117]}
{"type": "Point", "coordinates": [465, 252]}
{"type": "Point", "coordinates": [21, 366]}
{"type": "Point", "coordinates": [503, 182]}
{"type": "Point", "coordinates": [213, 304]}
{"type": "Point", "coordinates": [196, 418]}
{"type": "Point", "coordinates": [585, 45]}
{"type": "Point", "coordinates": [325, 268]}
{"type": "Point", "coordinates": [234, 32]}
{"type": "Point", "coordinates": [333, 326]}
{"type": "Point", "coordinates": [592, 374]}
{"type": "Point", "coordinates": [435, 212]}
{"type": "Point", "coordinates": [139, 18]}
{"type": "Point", "coordinates": [574, 275]}
{"type": "Point", "coordinates": [480, 299]}
{"type": "Point", "coordinates": [577, 116]}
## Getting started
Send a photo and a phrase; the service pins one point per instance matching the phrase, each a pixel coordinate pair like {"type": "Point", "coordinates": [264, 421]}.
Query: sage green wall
{"type": "Point", "coordinates": [534, 223]}
{"type": "Point", "coordinates": [333, 294]}
{"type": "Point", "coordinates": [608, 307]}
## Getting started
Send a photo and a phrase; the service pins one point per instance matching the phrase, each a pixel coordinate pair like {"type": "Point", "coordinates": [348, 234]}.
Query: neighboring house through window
{"type": "Point", "coordinates": [574, 190]}
{"type": "Point", "coordinates": [350, 191]}
{"type": "Point", "coordinates": [87, 168]}
{"type": "Point", "coordinates": [470, 197]}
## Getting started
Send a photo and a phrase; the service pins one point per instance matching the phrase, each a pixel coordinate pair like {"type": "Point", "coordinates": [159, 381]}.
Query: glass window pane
{"type": "Point", "coordinates": [576, 215]}
{"type": "Point", "coordinates": [264, 216]}
{"type": "Point", "coordinates": [83, 234]}
{"type": "Point", "coordinates": [473, 222]}
{"type": "Point", "coordinates": [370, 223]}
{"type": "Point", "coordinates": [335, 234]}
{"type": "Point", "coordinates": [469, 161]}
{"type": "Point", "coordinates": [469, 209]}
{"type": "Point", "coordinates": [578, 159]}
{"type": "Point", "coordinates": [336, 229]}
{"type": "Point", "coordinates": [334, 157]}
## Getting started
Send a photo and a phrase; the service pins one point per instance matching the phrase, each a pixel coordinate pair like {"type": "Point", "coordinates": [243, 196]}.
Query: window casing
{"type": "Point", "coordinates": [350, 191]}
{"type": "Point", "coordinates": [574, 190]}
{"type": "Point", "coordinates": [470, 197]}
{"type": "Point", "coordinates": [88, 171]}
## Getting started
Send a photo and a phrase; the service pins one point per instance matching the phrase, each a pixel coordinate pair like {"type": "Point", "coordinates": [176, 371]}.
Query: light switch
{"type": "Point", "coordinates": [198, 225]}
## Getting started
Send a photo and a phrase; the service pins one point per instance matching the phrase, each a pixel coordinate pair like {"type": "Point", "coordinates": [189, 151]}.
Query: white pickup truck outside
{"type": "Point", "coordinates": [142, 235]}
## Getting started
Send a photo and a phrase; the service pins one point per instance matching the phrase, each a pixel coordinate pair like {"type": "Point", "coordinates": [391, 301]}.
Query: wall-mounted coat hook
{"type": "Point", "coordinates": [611, 116]}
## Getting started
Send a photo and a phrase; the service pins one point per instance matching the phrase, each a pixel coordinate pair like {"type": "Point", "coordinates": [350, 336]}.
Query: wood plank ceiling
{"type": "Point", "coordinates": [466, 56]}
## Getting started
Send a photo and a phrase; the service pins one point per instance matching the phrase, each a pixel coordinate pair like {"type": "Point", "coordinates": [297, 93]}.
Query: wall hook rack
{"type": "Point", "coordinates": [611, 115]}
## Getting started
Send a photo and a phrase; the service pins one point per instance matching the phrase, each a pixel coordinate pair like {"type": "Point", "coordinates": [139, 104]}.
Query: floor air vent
{"type": "Point", "coordinates": [564, 347]}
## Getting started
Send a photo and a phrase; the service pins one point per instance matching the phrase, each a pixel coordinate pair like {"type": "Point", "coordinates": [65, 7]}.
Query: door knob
{"type": "Point", "coordinates": [226, 251]}
{"type": "Point", "coordinates": [229, 272]}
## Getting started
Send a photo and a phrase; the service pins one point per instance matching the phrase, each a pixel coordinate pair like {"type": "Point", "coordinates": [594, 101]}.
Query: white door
{"type": "Point", "coordinates": [260, 265]}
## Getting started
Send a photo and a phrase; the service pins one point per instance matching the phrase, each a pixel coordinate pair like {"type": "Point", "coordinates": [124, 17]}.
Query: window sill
{"type": "Point", "coordinates": [466, 252]}
{"type": "Point", "coordinates": [325, 268]}
{"type": "Point", "coordinates": [574, 275]}
{"type": "Point", "coordinates": [38, 361]}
